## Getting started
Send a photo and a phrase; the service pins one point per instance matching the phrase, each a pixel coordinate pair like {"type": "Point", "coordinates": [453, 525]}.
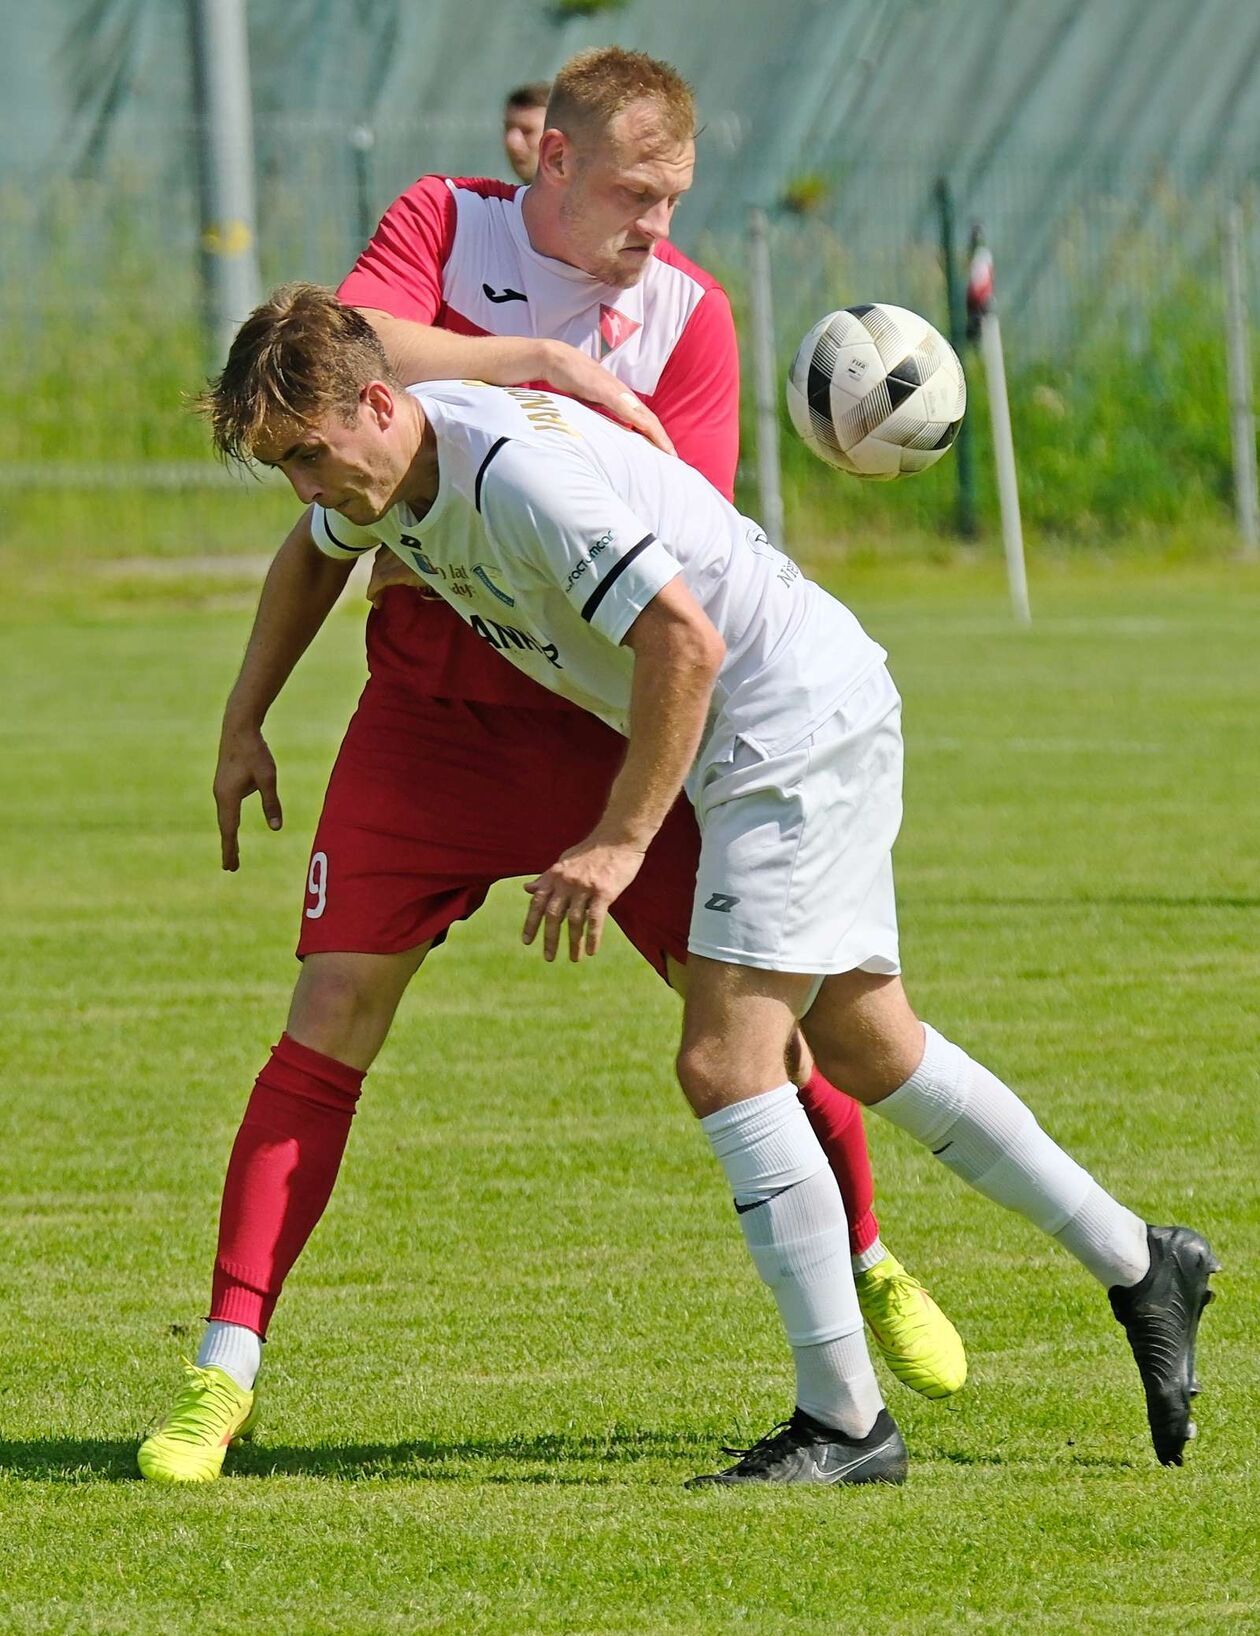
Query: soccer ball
{"type": "Point", "coordinates": [876, 391]}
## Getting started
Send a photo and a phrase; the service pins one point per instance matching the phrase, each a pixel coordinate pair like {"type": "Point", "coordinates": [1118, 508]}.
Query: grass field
{"type": "Point", "coordinates": [528, 1315]}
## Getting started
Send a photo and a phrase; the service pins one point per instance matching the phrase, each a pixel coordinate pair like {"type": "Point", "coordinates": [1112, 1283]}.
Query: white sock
{"type": "Point", "coordinates": [848, 1361]}
{"type": "Point", "coordinates": [793, 1221]}
{"type": "Point", "coordinates": [234, 1349]}
{"type": "Point", "coordinates": [870, 1257]}
{"type": "Point", "coordinates": [981, 1130]}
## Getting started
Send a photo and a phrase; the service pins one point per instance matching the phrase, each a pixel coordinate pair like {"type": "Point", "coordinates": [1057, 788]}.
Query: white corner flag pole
{"type": "Point", "coordinates": [1242, 419]}
{"type": "Point", "coordinates": [1004, 459]}
{"type": "Point", "coordinates": [983, 321]}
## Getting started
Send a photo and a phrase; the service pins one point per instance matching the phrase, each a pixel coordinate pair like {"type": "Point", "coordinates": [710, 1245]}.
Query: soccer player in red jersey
{"type": "Point", "coordinates": [457, 770]}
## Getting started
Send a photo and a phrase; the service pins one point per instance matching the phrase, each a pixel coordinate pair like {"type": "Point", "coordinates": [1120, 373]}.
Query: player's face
{"type": "Point", "coordinates": [619, 200]}
{"type": "Point", "coordinates": [348, 467]}
{"type": "Point", "coordinates": [522, 131]}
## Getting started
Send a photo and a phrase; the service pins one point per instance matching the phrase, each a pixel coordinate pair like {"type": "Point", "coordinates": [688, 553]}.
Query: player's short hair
{"type": "Point", "coordinates": [533, 95]}
{"type": "Point", "coordinates": [595, 86]}
{"type": "Point", "coordinates": [298, 356]}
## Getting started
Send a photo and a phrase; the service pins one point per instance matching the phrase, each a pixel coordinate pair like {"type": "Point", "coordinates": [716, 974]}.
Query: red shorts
{"type": "Point", "coordinates": [431, 801]}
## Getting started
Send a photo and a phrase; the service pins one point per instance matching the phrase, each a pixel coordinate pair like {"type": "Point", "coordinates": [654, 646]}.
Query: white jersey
{"type": "Point", "coordinates": [553, 528]}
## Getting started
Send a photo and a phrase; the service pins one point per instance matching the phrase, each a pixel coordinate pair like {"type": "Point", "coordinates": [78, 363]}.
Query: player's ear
{"type": "Point", "coordinates": [555, 156]}
{"type": "Point", "coordinates": [381, 403]}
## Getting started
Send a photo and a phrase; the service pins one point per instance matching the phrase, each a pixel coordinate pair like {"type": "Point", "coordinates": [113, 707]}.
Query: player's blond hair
{"type": "Point", "coordinates": [595, 86]}
{"type": "Point", "coordinates": [297, 357]}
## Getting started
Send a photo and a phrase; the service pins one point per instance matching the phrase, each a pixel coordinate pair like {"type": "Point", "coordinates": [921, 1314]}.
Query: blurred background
{"type": "Point", "coordinates": [1102, 146]}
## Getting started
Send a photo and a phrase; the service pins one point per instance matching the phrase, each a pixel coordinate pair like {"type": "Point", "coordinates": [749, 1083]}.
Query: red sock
{"type": "Point", "coordinates": [280, 1176]}
{"type": "Point", "coordinates": [837, 1122]}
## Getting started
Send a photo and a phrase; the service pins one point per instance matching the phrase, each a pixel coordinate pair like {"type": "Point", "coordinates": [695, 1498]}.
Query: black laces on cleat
{"type": "Point", "coordinates": [785, 1438]}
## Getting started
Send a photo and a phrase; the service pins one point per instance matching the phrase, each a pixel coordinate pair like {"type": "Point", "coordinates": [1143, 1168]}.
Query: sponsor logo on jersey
{"type": "Point", "coordinates": [541, 410]}
{"type": "Point", "coordinates": [600, 546]}
{"type": "Point", "coordinates": [506, 294]}
{"type": "Point", "coordinates": [615, 329]}
{"type": "Point", "coordinates": [786, 571]}
{"type": "Point", "coordinates": [487, 575]}
{"type": "Point", "coordinates": [508, 639]}
{"type": "Point", "coordinates": [722, 902]}
{"type": "Point", "coordinates": [416, 552]}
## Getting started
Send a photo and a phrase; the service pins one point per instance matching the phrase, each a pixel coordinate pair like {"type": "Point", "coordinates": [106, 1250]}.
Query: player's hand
{"type": "Point", "coordinates": [245, 765]}
{"type": "Point", "coordinates": [571, 371]}
{"type": "Point", "coordinates": [575, 892]}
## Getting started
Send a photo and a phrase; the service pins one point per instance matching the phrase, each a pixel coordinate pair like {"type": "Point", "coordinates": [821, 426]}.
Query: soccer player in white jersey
{"type": "Point", "coordinates": [619, 578]}
{"type": "Point", "coordinates": [471, 278]}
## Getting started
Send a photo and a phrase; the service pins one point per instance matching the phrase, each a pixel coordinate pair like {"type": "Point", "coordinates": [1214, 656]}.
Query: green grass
{"type": "Point", "coordinates": [528, 1315]}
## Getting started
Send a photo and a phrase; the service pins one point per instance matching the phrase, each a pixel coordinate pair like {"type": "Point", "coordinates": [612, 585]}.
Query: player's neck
{"type": "Point", "coordinates": [419, 484]}
{"type": "Point", "coordinates": [543, 228]}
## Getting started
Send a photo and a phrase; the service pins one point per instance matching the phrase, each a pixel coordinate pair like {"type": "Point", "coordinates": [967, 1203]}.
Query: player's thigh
{"type": "Point", "coordinates": [798, 1059]}
{"type": "Point", "coordinates": [737, 1022]}
{"type": "Point", "coordinates": [344, 1003]}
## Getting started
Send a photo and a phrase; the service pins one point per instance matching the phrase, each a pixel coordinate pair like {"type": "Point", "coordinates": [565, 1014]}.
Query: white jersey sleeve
{"type": "Point", "coordinates": [562, 519]}
{"type": "Point", "coordinates": [335, 537]}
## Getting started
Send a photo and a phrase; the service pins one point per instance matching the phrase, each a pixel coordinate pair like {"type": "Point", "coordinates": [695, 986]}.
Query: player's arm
{"type": "Point", "coordinates": [298, 594]}
{"type": "Point", "coordinates": [418, 352]}
{"type": "Point", "coordinates": [677, 655]}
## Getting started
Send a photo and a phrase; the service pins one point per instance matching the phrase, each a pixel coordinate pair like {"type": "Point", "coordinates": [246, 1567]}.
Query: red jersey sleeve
{"type": "Point", "coordinates": [697, 396]}
{"type": "Point", "coordinates": [400, 271]}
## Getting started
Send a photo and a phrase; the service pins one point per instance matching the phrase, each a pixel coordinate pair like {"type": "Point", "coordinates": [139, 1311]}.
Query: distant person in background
{"type": "Point", "coordinates": [524, 115]}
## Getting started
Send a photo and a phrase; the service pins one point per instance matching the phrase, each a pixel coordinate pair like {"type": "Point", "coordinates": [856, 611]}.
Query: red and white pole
{"type": "Point", "coordinates": [982, 325]}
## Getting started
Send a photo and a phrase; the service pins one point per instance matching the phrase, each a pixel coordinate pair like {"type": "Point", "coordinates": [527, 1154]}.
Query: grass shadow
{"type": "Point", "coordinates": [551, 1458]}
{"type": "Point", "coordinates": [69, 1459]}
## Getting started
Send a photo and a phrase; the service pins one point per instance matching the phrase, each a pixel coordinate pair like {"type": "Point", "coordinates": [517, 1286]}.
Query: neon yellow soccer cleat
{"type": "Point", "coordinates": [210, 1414]}
{"type": "Point", "coordinates": [915, 1338]}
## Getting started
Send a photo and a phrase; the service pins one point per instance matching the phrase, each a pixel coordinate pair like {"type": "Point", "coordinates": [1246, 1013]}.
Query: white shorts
{"type": "Point", "coordinates": [796, 848]}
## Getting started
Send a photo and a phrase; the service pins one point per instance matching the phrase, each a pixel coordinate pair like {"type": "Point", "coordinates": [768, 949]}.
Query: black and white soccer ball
{"type": "Point", "coordinates": [876, 391]}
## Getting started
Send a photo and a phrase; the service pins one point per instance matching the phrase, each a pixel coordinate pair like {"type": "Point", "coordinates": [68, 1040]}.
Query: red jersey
{"type": "Point", "coordinates": [454, 253]}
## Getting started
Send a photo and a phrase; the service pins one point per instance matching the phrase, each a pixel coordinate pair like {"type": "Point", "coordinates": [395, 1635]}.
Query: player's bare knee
{"type": "Point", "coordinates": [343, 1005]}
{"type": "Point", "coordinates": [714, 1073]}
{"type": "Point", "coordinates": [704, 1075]}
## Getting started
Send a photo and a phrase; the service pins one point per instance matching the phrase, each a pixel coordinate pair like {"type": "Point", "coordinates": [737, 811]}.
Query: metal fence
{"type": "Point", "coordinates": [1103, 272]}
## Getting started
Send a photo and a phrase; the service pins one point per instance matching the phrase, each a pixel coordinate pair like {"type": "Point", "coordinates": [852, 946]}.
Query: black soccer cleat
{"type": "Point", "coordinates": [1160, 1315]}
{"type": "Point", "coordinates": [802, 1450]}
